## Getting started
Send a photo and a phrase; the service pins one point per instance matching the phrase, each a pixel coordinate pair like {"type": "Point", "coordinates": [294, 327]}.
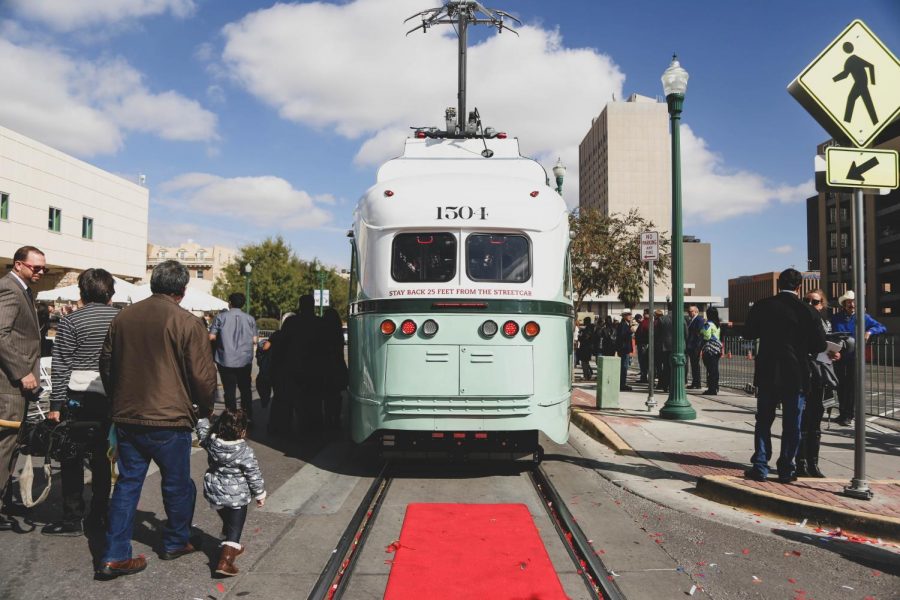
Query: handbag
{"type": "Point", "coordinates": [712, 347]}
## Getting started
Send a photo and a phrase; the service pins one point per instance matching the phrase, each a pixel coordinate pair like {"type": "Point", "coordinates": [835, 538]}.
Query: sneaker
{"type": "Point", "coordinates": [754, 475]}
{"type": "Point", "coordinates": [71, 528]}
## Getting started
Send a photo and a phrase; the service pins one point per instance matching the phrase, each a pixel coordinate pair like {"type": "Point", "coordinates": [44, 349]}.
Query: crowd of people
{"type": "Point", "coordinates": [143, 380]}
{"type": "Point", "coordinates": [804, 359]}
{"type": "Point", "coordinates": [630, 336]}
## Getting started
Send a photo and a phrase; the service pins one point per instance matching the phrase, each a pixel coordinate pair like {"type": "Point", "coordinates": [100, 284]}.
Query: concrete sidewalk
{"type": "Point", "coordinates": [713, 450]}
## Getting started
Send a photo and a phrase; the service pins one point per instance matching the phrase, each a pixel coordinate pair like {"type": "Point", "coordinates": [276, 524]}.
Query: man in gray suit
{"type": "Point", "coordinates": [20, 351]}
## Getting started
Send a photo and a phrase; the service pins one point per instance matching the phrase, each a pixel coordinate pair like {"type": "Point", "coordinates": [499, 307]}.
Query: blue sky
{"type": "Point", "coordinates": [252, 119]}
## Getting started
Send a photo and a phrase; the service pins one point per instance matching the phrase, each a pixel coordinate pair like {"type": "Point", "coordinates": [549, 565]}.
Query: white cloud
{"type": "Point", "coordinates": [714, 192]}
{"type": "Point", "coordinates": [87, 108]}
{"type": "Point", "coordinates": [265, 201]}
{"type": "Point", "coordinates": [785, 249]}
{"type": "Point", "coordinates": [377, 82]}
{"type": "Point", "coordinates": [68, 15]}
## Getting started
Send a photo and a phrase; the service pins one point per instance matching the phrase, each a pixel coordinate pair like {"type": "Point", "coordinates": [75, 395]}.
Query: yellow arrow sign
{"type": "Point", "coordinates": [852, 87]}
{"type": "Point", "coordinates": [851, 167]}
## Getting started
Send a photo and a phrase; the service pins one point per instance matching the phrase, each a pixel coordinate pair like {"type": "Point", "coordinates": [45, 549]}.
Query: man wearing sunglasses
{"type": "Point", "coordinates": [20, 351]}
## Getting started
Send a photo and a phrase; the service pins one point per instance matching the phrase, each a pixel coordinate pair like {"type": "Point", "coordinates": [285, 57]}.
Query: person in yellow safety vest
{"type": "Point", "coordinates": [712, 350]}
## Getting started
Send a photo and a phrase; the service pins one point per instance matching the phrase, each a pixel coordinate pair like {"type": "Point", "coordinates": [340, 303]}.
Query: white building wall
{"type": "Point", "coordinates": [37, 177]}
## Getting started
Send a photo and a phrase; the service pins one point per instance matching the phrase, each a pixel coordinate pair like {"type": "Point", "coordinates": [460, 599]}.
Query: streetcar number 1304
{"type": "Point", "coordinates": [450, 213]}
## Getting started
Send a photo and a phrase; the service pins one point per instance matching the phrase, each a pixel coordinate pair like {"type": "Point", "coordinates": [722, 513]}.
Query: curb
{"type": "Point", "coordinates": [725, 489]}
{"type": "Point", "coordinates": [600, 431]}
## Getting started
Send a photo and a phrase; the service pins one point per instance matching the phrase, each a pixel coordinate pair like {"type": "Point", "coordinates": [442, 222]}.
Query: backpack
{"type": "Point", "coordinates": [607, 342]}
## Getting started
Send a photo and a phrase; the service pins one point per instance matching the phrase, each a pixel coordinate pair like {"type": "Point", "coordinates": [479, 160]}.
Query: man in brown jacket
{"type": "Point", "coordinates": [20, 351]}
{"type": "Point", "coordinates": [157, 368]}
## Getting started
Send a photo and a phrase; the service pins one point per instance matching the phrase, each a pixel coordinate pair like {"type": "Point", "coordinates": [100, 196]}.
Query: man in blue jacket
{"type": "Point", "coordinates": [844, 321]}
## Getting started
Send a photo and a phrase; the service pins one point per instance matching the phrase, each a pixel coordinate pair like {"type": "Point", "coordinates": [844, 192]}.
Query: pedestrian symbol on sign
{"type": "Point", "coordinates": [857, 68]}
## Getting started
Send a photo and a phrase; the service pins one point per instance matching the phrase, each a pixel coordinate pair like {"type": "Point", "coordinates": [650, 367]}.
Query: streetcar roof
{"type": "Point", "coordinates": [449, 172]}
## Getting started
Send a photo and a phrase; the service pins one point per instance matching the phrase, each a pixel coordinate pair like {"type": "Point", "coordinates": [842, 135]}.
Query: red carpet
{"type": "Point", "coordinates": [471, 551]}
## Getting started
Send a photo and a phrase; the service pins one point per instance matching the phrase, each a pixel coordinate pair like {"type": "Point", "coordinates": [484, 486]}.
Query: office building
{"type": "Point", "coordinates": [204, 263]}
{"type": "Point", "coordinates": [745, 291]}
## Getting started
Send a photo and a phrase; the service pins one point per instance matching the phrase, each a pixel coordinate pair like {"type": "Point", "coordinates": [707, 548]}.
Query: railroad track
{"type": "Point", "coordinates": [335, 577]}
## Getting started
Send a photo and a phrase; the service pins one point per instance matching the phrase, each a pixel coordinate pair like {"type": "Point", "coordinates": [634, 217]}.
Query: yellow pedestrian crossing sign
{"type": "Point", "coordinates": [852, 88]}
{"type": "Point", "coordinates": [858, 168]}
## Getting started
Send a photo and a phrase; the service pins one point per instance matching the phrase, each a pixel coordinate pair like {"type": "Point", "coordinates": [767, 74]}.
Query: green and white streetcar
{"type": "Point", "coordinates": [461, 315]}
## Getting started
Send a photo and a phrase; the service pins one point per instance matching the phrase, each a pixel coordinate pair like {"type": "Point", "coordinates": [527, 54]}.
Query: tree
{"type": "Point", "coordinates": [605, 255]}
{"type": "Point", "coordinates": [278, 279]}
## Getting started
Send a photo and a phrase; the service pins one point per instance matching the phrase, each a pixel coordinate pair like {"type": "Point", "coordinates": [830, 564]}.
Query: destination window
{"type": "Point", "coordinates": [423, 257]}
{"type": "Point", "coordinates": [498, 257]}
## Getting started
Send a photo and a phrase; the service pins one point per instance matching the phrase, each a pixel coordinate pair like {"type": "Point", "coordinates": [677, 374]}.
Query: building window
{"type": "Point", "coordinates": [87, 228]}
{"type": "Point", "coordinates": [4, 206]}
{"type": "Point", "coordinates": [54, 219]}
{"type": "Point", "coordinates": [886, 287]}
{"type": "Point", "coordinates": [161, 254]}
{"type": "Point", "coordinates": [845, 263]}
{"type": "Point", "coordinates": [844, 214]}
{"type": "Point", "coordinates": [199, 273]}
{"type": "Point", "coordinates": [832, 214]}
{"type": "Point", "coordinates": [201, 254]}
{"type": "Point", "coordinates": [834, 264]}
{"type": "Point", "coordinates": [181, 254]}
{"type": "Point", "coordinates": [886, 310]}
{"type": "Point", "coordinates": [832, 240]}
{"type": "Point", "coordinates": [845, 239]}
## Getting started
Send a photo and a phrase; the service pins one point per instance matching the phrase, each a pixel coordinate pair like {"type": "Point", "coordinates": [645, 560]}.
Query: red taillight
{"type": "Point", "coordinates": [501, 135]}
{"type": "Point", "coordinates": [388, 327]}
{"type": "Point", "coordinates": [531, 329]}
{"type": "Point", "coordinates": [510, 328]}
{"type": "Point", "coordinates": [534, 194]}
{"type": "Point", "coordinates": [459, 436]}
{"type": "Point", "coordinates": [437, 435]}
{"type": "Point", "coordinates": [408, 327]}
{"type": "Point", "coordinates": [420, 135]}
{"type": "Point", "coordinates": [480, 436]}
{"type": "Point", "coordinates": [388, 193]}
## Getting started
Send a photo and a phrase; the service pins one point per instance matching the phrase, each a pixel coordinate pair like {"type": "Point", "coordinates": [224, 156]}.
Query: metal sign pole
{"type": "Point", "coordinates": [651, 370]}
{"type": "Point", "coordinates": [859, 487]}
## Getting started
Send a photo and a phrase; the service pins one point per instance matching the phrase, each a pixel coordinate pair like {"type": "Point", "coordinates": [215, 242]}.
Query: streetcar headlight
{"type": "Point", "coordinates": [388, 327]}
{"type": "Point", "coordinates": [408, 327]}
{"type": "Point", "coordinates": [488, 329]}
{"type": "Point", "coordinates": [429, 327]}
{"type": "Point", "coordinates": [510, 328]}
{"type": "Point", "coordinates": [531, 329]}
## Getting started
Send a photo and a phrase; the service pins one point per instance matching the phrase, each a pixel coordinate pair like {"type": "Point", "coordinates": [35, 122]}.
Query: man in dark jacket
{"type": "Point", "coordinates": [157, 368]}
{"type": "Point", "coordinates": [303, 344]}
{"type": "Point", "coordinates": [585, 351]}
{"type": "Point", "coordinates": [788, 332]}
{"type": "Point", "coordinates": [693, 345]}
{"type": "Point", "coordinates": [642, 340]}
{"type": "Point", "coordinates": [625, 347]}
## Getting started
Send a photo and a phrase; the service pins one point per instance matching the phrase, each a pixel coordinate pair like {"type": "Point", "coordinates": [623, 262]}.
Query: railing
{"type": "Point", "coordinates": [882, 372]}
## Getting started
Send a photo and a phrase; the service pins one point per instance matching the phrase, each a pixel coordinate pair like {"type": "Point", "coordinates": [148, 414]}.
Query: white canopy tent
{"type": "Point", "coordinates": [193, 299]}
{"type": "Point", "coordinates": [70, 293]}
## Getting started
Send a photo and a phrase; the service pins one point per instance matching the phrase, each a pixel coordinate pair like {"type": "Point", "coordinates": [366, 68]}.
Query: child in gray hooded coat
{"type": "Point", "coordinates": [232, 480]}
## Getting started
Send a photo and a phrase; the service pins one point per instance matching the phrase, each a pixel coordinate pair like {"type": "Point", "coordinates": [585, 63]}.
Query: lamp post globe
{"type": "Point", "coordinates": [677, 406]}
{"type": "Point", "coordinates": [559, 172]}
{"type": "Point", "coordinates": [248, 268]}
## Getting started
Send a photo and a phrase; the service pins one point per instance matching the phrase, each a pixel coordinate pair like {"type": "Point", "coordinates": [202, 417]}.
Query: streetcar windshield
{"type": "Point", "coordinates": [422, 257]}
{"type": "Point", "coordinates": [498, 257]}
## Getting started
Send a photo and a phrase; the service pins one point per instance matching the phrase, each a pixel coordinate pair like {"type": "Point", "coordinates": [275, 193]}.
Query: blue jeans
{"type": "Point", "coordinates": [170, 449]}
{"type": "Point", "coordinates": [791, 412]}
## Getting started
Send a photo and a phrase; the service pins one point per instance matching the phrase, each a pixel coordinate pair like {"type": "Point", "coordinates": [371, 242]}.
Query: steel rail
{"type": "Point", "coordinates": [332, 582]}
{"type": "Point", "coordinates": [598, 579]}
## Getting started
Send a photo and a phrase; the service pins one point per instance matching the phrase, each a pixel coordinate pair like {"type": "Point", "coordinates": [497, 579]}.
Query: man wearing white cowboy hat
{"type": "Point", "coordinates": [844, 321]}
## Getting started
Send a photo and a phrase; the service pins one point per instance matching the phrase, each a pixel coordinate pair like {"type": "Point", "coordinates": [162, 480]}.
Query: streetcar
{"type": "Point", "coordinates": [461, 299]}
{"type": "Point", "coordinates": [461, 314]}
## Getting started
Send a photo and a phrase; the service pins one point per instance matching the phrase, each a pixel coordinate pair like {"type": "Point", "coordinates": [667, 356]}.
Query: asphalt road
{"type": "Point", "coordinates": [659, 543]}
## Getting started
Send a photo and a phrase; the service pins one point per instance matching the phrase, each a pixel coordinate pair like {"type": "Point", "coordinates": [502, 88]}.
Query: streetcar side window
{"type": "Point", "coordinates": [498, 257]}
{"type": "Point", "coordinates": [423, 257]}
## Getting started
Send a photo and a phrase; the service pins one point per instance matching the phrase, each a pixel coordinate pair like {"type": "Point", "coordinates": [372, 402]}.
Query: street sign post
{"type": "Point", "coordinates": [857, 168]}
{"type": "Point", "coordinates": [850, 88]}
{"type": "Point", "coordinates": [650, 254]}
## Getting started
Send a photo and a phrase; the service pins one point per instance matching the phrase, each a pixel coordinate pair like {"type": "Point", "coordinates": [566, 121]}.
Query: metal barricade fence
{"type": "Point", "coordinates": [882, 374]}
